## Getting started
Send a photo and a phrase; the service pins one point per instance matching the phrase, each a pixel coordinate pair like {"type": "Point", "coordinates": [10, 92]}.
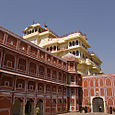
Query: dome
{"type": "Point", "coordinates": [32, 26]}
{"type": "Point", "coordinates": [70, 57]}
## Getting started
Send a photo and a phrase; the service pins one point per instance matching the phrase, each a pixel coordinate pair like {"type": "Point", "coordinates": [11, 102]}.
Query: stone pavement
{"type": "Point", "coordinates": [85, 114]}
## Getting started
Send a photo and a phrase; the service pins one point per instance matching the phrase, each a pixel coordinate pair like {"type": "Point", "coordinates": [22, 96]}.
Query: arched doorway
{"type": "Point", "coordinates": [17, 107]}
{"type": "Point", "coordinates": [39, 107]}
{"type": "Point", "coordinates": [29, 108]}
{"type": "Point", "coordinates": [98, 104]}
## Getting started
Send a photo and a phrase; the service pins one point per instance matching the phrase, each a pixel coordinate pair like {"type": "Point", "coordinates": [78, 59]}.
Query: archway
{"type": "Point", "coordinates": [98, 104]}
{"type": "Point", "coordinates": [29, 108]}
{"type": "Point", "coordinates": [17, 107]}
{"type": "Point", "coordinates": [39, 107]}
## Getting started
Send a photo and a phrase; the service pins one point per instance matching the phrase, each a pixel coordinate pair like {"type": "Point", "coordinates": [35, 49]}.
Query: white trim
{"type": "Point", "coordinates": [91, 100]}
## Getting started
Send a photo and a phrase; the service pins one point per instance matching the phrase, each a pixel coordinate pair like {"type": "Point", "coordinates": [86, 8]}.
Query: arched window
{"type": "Point", "coordinates": [54, 48]}
{"type": "Point", "coordinates": [41, 70]}
{"type": "Point", "coordinates": [54, 74]}
{"type": "Point", "coordinates": [59, 89]}
{"type": "Point", "coordinates": [22, 64]}
{"type": "Point", "coordinates": [70, 44]}
{"type": "Point", "coordinates": [54, 88]}
{"type": "Point", "coordinates": [32, 68]}
{"type": "Point", "coordinates": [9, 60]}
{"type": "Point", "coordinates": [60, 76]}
{"type": "Point", "coordinates": [64, 78]}
{"type": "Point", "coordinates": [48, 72]}
{"type": "Point", "coordinates": [31, 85]}
{"type": "Point", "coordinates": [47, 49]}
{"type": "Point", "coordinates": [77, 53]}
{"type": "Point", "coordinates": [73, 52]}
{"type": "Point", "coordinates": [48, 89]}
{"type": "Point", "coordinates": [50, 48]}
{"type": "Point", "coordinates": [72, 78]}
{"type": "Point", "coordinates": [40, 87]}
{"type": "Point", "coordinates": [76, 42]}
{"type": "Point", "coordinates": [73, 43]}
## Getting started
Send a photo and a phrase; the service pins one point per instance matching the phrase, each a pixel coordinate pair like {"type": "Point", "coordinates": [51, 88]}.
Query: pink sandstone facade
{"type": "Point", "coordinates": [99, 87]}
{"type": "Point", "coordinates": [34, 81]}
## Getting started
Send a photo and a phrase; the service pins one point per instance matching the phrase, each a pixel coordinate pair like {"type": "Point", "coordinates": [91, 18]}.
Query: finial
{"type": "Point", "coordinates": [33, 22]}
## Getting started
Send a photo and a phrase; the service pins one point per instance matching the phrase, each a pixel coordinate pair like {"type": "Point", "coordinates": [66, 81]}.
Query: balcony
{"type": "Point", "coordinates": [98, 68]}
{"type": "Point", "coordinates": [89, 62]}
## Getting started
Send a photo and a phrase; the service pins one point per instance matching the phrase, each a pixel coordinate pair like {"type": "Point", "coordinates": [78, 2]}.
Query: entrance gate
{"type": "Point", "coordinates": [17, 107]}
{"type": "Point", "coordinates": [29, 108]}
{"type": "Point", "coordinates": [39, 107]}
{"type": "Point", "coordinates": [98, 104]}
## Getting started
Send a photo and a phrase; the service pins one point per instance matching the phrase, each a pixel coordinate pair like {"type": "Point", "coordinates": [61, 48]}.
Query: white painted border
{"type": "Point", "coordinates": [91, 99]}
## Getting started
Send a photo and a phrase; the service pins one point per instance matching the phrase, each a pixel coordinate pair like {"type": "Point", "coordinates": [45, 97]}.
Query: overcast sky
{"type": "Point", "coordinates": [96, 18]}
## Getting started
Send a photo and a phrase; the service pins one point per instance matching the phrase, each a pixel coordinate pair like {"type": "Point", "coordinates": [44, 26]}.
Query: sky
{"type": "Point", "coordinates": [96, 18]}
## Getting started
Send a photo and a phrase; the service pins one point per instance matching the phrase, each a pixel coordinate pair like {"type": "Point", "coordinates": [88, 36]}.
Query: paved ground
{"type": "Point", "coordinates": [84, 114]}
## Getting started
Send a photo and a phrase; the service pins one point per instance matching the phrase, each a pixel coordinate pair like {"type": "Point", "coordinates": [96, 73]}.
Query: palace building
{"type": "Point", "coordinates": [75, 43]}
{"type": "Point", "coordinates": [99, 91]}
{"type": "Point", "coordinates": [33, 80]}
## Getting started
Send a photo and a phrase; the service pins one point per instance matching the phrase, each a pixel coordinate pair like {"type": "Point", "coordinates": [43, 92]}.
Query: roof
{"type": "Point", "coordinates": [70, 57]}
{"type": "Point", "coordinates": [32, 26]}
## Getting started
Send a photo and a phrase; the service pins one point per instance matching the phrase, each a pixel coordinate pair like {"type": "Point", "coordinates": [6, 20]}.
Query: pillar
{"type": "Point", "coordinates": [23, 108]}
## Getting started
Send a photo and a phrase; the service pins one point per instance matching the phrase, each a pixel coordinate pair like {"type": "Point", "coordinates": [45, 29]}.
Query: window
{"type": "Point", "coordinates": [72, 91]}
{"type": "Point", "coordinates": [53, 101]}
{"type": "Point", "coordinates": [47, 49]}
{"type": "Point", "coordinates": [22, 64]}
{"type": "Point", "coordinates": [73, 52]}
{"type": "Point", "coordinates": [41, 87]}
{"type": "Point", "coordinates": [48, 88]}
{"type": "Point", "coordinates": [20, 85]}
{"type": "Point", "coordinates": [59, 101]}
{"type": "Point", "coordinates": [48, 72]}
{"type": "Point", "coordinates": [6, 83]}
{"type": "Point", "coordinates": [72, 78]}
{"type": "Point", "coordinates": [76, 42]}
{"type": "Point", "coordinates": [50, 48]}
{"type": "Point", "coordinates": [54, 74]}
{"type": "Point", "coordinates": [31, 87]}
{"type": "Point", "coordinates": [77, 53]}
{"type": "Point", "coordinates": [41, 70]}
{"type": "Point", "coordinates": [23, 48]}
{"type": "Point", "coordinates": [64, 101]}
{"type": "Point", "coordinates": [9, 60]}
{"type": "Point", "coordinates": [54, 89]}
{"type": "Point", "coordinates": [73, 43]}
{"type": "Point", "coordinates": [60, 75]}
{"type": "Point", "coordinates": [32, 68]}
{"type": "Point", "coordinates": [72, 101]}
{"type": "Point", "coordinates": [71, 66]}
{"type": "Point", "coordinates": [12, 43]}
{"type": "Point", "coordinates": [70, 44]}
{"type": "Point", "coordinates": [54, 48]}
{"type": "Point", "coordinates": [9, 63]}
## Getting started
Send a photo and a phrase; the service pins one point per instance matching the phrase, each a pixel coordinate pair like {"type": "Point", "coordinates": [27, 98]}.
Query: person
{"type": "Point", "coordinates": [100, 109]}
{"type": "Point", "coordinates": [110, 110]}
{"type": "Point", "coordinates": [85, 109]}
{"type": "Point", "coordinates": [37, 110]}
